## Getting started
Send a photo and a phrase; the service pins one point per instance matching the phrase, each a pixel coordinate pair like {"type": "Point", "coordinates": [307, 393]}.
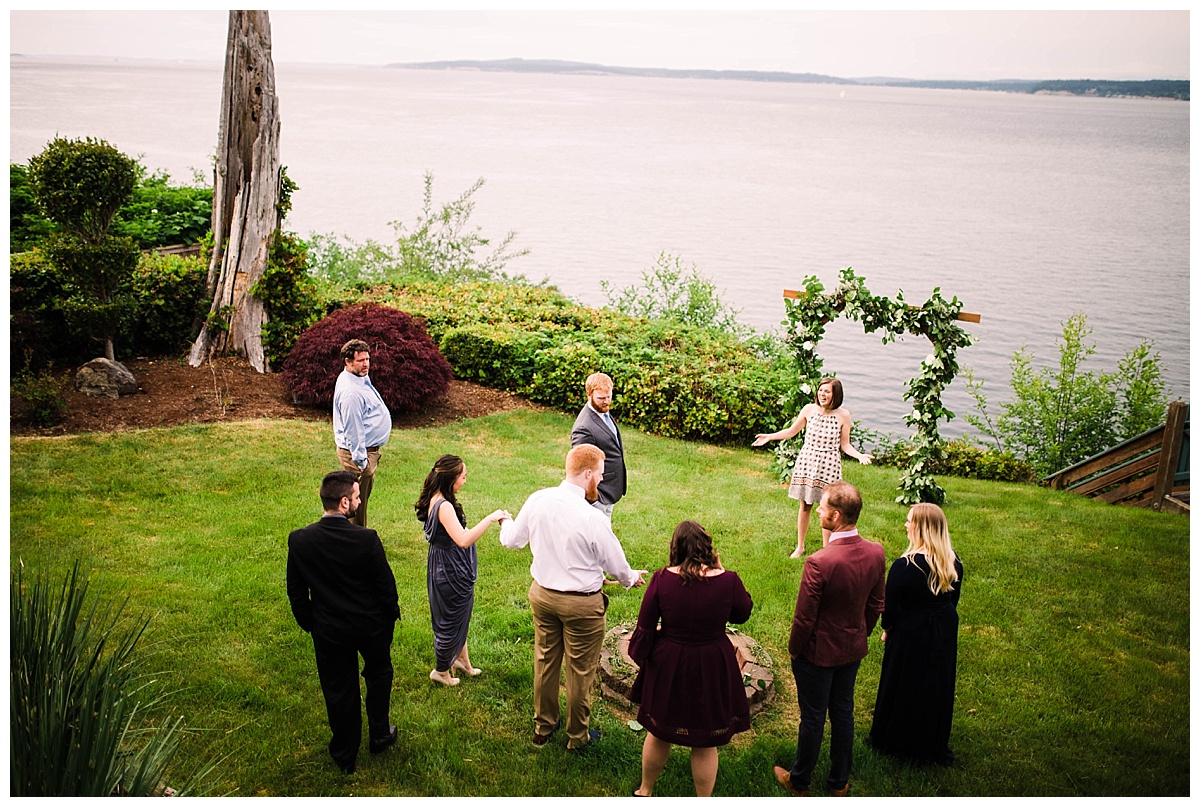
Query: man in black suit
{"type": "Point", "coordinates": [343, 592]}
{"type": "Point", "coordinates": [595, 426]}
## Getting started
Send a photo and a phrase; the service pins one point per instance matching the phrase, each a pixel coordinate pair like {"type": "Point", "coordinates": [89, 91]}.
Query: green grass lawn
{"type": "Point", "coordinates": [1073, 672]}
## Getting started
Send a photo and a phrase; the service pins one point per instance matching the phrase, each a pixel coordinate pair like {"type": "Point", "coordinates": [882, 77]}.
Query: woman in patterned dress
{"type": "Point", "coordinates": [826, 436]}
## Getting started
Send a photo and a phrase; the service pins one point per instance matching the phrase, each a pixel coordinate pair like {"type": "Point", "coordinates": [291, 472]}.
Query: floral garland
{"type": "Point", "coordinates": [807, 317]}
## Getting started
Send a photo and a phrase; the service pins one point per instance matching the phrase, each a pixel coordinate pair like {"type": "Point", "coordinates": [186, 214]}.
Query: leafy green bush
{"type": "Point", "coordinates": [160, 214]}
{"type": "Point", "coordinates": [80, 185]}
{"type": "Point", "coordinates": [169, 294]}
{"type": "Point", "coordinates": [1060, 416]}
{"type": "Point", "coordinates": [289, 295]}
{"type": "Point", "coordinates": [37, 329]}
{"type": "Point", "coordinates": [78, 723]}
{"type": "Point", "coordinates": [671, 379]}
{"type": "Point", "coordinates": [27, 226]}
{"type": "Point", "coordinates": [961, 458]}
{"type": "Point", "coordinates": [157, 213]}
{"type": "Point", "coordinates": [98, 302]}
{"type": "Point", "coordinates": [668, 291]}
{"type": "Point", "coordinates": [40, 394]}
{"type": "Point", "coordinates": [559, 373]}
{"type": "Point", "coordinates": [499, 355]}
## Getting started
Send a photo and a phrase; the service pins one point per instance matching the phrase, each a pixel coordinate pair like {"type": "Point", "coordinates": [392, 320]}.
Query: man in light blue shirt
{"type": "Point", "coordinates": [361, 421]}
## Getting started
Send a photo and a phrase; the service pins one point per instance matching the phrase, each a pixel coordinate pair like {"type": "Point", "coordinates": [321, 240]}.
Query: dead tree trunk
{"type": "Point", "coordinates": [245, 193]}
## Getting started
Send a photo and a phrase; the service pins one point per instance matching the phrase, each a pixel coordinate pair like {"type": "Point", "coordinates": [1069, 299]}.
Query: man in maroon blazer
{"type": "Point", "coordinates": [841, 598]}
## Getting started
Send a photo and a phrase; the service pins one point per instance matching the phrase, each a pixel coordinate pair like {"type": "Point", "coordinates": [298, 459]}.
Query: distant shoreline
{"type": "Point", "coordinates": [1162, 89]}
{"type": "Point", "coordinates": [1170, 89]}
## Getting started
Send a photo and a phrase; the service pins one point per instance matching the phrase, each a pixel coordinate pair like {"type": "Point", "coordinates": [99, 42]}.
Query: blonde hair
{"type": "Point", "coordinates": [584, 457]}
{"type": "Point", "coordinates": [929, 526]}
{"type": "Point", "coordinates": [596, 381]}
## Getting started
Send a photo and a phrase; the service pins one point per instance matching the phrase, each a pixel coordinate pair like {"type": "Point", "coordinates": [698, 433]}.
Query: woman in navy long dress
{"type": "Point", "coordinates": [452, 566]}
{"type": "Point", "coordinates": [915, 704]}
{"type": "Point", "coordinates": [689, 683]}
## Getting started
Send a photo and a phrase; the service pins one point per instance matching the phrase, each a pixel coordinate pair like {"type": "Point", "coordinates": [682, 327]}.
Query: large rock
{"type": "Point", "coordinates": [101, 378]}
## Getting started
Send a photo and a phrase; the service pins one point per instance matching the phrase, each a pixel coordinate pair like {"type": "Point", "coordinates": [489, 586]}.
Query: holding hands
{"type": "Point", "coordinates": [499, 516]}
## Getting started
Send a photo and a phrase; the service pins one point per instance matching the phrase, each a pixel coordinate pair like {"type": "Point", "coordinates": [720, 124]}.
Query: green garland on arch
{"type": "Point", "coordinates": [807, 317]}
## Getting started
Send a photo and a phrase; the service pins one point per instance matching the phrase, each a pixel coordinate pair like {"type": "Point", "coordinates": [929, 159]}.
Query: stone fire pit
{"type": "Point", "coordinates": [617, 670]}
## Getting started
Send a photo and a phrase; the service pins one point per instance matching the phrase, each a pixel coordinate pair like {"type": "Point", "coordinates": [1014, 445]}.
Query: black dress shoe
{"type": "Point", "coordinates": [381, 745]}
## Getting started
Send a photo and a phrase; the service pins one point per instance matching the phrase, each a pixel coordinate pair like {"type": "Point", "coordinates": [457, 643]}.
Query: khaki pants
{"type": "Point", "coordinates": [570, 625]}
{"type": "Point", "coordinates": [366, 477]}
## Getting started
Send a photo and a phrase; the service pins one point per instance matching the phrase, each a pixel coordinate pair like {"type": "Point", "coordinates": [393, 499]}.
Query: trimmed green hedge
{"type": "Point", "coordinates": [170, 296]}
{"type": "Point", "coordinates": [167, 293]}
{"type": "Point", "coordinates": [673, 380]}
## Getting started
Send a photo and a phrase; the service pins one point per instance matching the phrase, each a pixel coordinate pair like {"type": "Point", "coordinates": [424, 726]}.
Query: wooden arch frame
{"type": "Point", "coordinates": [810, 310]}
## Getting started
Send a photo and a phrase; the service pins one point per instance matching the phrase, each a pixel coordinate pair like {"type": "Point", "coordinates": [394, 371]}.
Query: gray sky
{"type": "Point", "coordinates": [908, 44]}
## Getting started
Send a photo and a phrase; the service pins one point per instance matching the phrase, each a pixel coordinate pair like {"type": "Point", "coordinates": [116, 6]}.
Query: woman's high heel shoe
{"type": "Point", "coordinates": [447, 680]}
{"type": "Point", "coordinates": [474, 671]}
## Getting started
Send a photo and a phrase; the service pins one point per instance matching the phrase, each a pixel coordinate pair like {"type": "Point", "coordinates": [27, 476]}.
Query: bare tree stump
{"type": "Point", "coordinates": [245, 193]}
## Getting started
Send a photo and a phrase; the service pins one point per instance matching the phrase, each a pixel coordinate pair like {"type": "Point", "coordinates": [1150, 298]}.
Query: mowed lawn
{"type": "Point", "coordinates": [1073, 676]}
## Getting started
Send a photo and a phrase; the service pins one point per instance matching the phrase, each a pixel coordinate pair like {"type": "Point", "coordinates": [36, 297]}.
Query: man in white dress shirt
{"type": "Point", "coordinates": [573, 545]}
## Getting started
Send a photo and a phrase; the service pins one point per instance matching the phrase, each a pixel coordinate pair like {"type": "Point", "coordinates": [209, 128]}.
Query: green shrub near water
{"type": "Point", "coordinates": [1061, 415]}
{"type": "Point", "coordinates": [290, 296]}
{"type": "Point", "coordinates": [168, 293]}
{"type": "Point", "coordinates": [961, 458]}
{"type": "Point", "coordinates": [671, 379]}
{"type": "Point", "coordinates": [499, 355]}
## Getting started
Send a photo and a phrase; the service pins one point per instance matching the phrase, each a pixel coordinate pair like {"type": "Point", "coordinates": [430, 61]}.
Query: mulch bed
{"type": "Point", "coordinates": [172, 392]}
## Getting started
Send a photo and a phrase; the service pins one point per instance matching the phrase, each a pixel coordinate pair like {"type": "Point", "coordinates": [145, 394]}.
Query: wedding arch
{"type": "Point", "coordinates": [810, 310]}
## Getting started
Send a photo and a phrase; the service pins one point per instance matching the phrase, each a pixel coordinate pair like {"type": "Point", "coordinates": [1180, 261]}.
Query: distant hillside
{"type": "Point", "coordinates": [583, 68]}
{"type": "Point", "coordinates": [1179, 90]}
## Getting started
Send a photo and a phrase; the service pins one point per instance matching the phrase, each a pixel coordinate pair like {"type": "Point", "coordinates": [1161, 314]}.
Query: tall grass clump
{"type": "Point", "coordinates": [79, 725]}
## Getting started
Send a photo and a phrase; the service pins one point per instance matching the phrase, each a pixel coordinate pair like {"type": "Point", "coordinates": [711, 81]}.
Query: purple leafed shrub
{"type": "Point", "coordinates": [406, 366]}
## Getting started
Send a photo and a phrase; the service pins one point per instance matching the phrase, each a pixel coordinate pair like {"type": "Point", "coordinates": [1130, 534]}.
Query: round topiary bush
{"type": "Point", "coordinates": [406, 366]}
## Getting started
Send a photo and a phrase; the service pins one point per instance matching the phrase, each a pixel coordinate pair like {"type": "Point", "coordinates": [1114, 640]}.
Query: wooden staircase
{"type": "Point", "coordinates": [1150, 470]}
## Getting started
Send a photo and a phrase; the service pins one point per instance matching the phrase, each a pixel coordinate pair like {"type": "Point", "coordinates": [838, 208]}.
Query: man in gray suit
{"type": "Point", "coordinates": [595, 426]}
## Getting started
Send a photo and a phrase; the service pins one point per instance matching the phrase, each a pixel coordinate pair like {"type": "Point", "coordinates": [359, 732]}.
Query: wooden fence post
{"type": "Point", "coordinates": [1168, 458]}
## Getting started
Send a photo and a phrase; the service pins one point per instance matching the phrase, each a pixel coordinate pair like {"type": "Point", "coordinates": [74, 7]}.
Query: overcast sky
{"type": "Point", "coordinates": [849, 44]}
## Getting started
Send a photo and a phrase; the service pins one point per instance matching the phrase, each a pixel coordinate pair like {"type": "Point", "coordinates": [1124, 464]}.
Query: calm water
{"type": "Point", "coordinates": [1027, 209]}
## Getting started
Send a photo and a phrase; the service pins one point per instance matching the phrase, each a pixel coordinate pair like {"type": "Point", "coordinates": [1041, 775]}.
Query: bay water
{"type": "Point", "coordinates": [1028, 208]}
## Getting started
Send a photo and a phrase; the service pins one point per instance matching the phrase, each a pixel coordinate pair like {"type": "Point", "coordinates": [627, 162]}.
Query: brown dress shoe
{"type": "Point", "coordinates": [784, 776]}
{"type": "Point", "coordinates": [840, 791]}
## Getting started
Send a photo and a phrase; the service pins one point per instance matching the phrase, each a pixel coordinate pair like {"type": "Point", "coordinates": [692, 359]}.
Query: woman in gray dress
{"type": "Point", "coordinates": [452, 565]}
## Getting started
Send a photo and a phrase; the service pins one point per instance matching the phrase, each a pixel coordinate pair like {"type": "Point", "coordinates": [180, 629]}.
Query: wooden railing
{"type": "Point", "coordinates": [187, 250]}
{"type": "Point", "coordinates": [1149, 470]}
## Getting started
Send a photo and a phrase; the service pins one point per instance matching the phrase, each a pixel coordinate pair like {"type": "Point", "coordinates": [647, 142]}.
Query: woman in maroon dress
{"type": "Point", "coordinates": [689, 684]}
